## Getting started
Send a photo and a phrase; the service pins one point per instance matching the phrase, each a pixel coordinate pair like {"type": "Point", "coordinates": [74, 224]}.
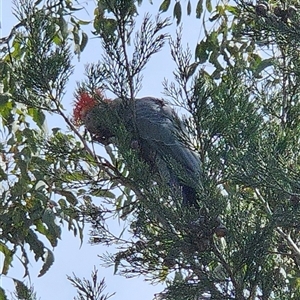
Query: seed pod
{"type": "Point", "coordinates": [221, 231]}
{"type": "Point", "coordinates": [135, 145]}
{"type": "Point", "coordinates": [291, 11]}
{"type": "Point", "coordinates": [262, 9]}
{"type": "Point", "coordinates": [295, 200]}
{"type": "Point", "coordinates": [140, 245]}
{"type": "Point", "coordinates": [278, 11]}
{"type": "Point", "coordinates": [169, 262]}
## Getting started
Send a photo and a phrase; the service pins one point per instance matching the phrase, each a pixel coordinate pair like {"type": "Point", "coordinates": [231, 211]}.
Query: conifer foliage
{"type": "Point", "coordinates": [240, 91]}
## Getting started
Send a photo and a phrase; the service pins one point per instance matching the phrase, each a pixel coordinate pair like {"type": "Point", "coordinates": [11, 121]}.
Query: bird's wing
{"type": "Point", "coordinates": [159, 127]}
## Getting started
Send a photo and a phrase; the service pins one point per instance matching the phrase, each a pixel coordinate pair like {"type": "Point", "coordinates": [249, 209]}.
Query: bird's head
{"type": "Point", "coordinates": [83, 104]}
{"type": "Point", "coordinates": [95, 112]}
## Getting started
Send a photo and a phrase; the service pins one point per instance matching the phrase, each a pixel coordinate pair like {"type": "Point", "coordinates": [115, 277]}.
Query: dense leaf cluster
{"type": "Point", "coordinates": [243, 120]}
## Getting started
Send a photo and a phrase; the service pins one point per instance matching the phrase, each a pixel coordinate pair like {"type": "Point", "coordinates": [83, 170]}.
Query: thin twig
{"type": "Point", "coordinates": [285, 236]}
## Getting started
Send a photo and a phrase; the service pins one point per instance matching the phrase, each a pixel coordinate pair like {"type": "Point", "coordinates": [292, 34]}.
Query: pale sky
{"type": "Point", "coordinates": [69, 257]}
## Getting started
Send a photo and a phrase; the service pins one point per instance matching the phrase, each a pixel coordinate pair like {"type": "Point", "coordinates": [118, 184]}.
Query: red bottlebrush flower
{"type": "Point", "coordinates": [84, 102]}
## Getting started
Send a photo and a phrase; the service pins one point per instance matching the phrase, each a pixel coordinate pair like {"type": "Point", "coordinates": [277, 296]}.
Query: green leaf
{"type": "Point", "coordinates": [177, 12]}
{"type": "Point", "coordinates": [178, 276]}
{"type": "Point", "coordinates": [40, 227]}
{"type": "Point", "coordinates": [117, 263]}
{"type": "Point", "coordinates": [201, 52]}
{"type": "Point", "coordinates": [3, 175]}
{"type": "Point", "coordinates": [77, 175]}
{"type": "Point", "coordinates": [53, 232]}
{"type": "Point", "coordinates": [233, 9]}
{"type": "Point", "coordinates": [2, 294]}
{"type": "Point", "coordinates": [71, 198]}
{"type": "Point", "coordinates": [199, 9]}
{"type": "Point", "coordinates": [208, 5]}
{"type": "Point", "coordinates": [81, 22]}
{"type": "Point", "coordinates": [55, 130]}
{"type": "Point", "coordinates": [76, 36]}
{"type": "Point", "coordinates": [49, 260]}
{"type": "Point", "coordinates": [4, 98]}
{"type": "Point", "coordinates": [119, 202]}
{"type": "Point", "coordinates": [189, 8]}
{"type": "Point", "coordinates": [103, 193]}
{"type": "Point", "coordinates": [63, 25]}
{"type": "Point", "coordinates": [38, 117]}
{"type": "Point", "coordinates": [164, 272]}
{"type": "Point", "coordinates": [165, 5]}
{"type": "Point", "coordinates": [25, 261]}
{"type": "Point", "coordinates": [8, 257]}
{"type": "Point", "coordinates": [18, 51]}
{"type": "Point", "coordinates": [6, 107]}
{"type": "Point", "coordinates": [62, 203]}
{"type": "Point", "coordinates": [72, 8]}
{"type": "Point", "coordinates": [35, 244]}
{"type": "Point", "coordinates": [192, 68]}
{"type": "Point", "coordinates": [80, 229]}
{"type": "Point", "coordinates": [214, 17]}
{"type": "Point", "coordinates": [57, 40]}
{"type": "Point", "coordinates": [23, 292]}
{"type": "Point", "coordinates": [110, 151]}
{"type": "Point", "coordinates": [84, 41]}
{"type": "Point", "coordinates": [109, 26]}
{"type": "Point", "coordinates": [262, 65]}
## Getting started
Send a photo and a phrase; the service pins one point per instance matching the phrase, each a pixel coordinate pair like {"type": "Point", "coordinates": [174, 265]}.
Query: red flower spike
{"type": "Point", "coordinates": [84, 102]}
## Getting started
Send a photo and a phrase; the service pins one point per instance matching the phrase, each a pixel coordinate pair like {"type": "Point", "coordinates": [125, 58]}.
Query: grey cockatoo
{"type": "Point", "coordinates": [155, 127]}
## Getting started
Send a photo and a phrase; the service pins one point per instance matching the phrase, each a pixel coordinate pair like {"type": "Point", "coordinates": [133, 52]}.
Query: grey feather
{"type": "Point", "coordinates": [160, 127]}
{"type": "Point", "coordinates": [159, 130]}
